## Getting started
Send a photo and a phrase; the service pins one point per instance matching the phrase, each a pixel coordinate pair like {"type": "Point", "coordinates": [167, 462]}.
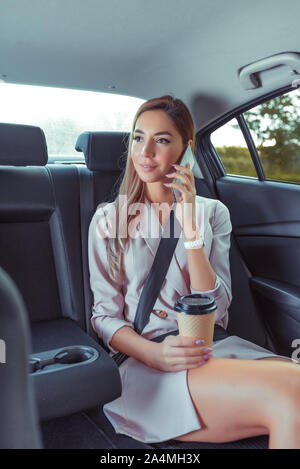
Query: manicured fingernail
{"type": "Point", "coordinates": [206, 350]}
{"type": "Point", "coordinates": [198, 341]}
{"type": "Point", "coordinates": [165, 184]}
{"type": "Point", "coordinates": [170, 175]}
{"type": "Point", "coordinates": [206, 356]}
{"type": "Point", "coordinates": [201, 363]}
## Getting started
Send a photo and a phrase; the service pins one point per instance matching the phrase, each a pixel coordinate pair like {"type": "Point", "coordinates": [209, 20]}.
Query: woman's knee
{"type": "Point", "coordinates": [284, 407]}
{"type": "Point", "coordinates": [289, 390]}
{"type": "Point", "coordinates": [230, 392]}
{"type": "Point", "coordinates": [257, 393]}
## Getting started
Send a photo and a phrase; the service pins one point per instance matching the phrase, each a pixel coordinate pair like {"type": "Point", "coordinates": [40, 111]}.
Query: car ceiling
{"type": "Point", "coordinates": [145, 48]}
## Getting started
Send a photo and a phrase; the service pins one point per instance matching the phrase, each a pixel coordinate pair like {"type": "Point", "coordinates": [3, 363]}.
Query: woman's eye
{"type": "Point", "coordinates": [163, 140]}
{"type": "Point", "coordinates": [160, 140]}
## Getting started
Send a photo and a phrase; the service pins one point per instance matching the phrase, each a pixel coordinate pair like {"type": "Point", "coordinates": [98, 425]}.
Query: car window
{"type": "Point", "coordinates": [63, 114]}
{"type": "Point", "coordinates": [232, 149]}
{"type": "Point", "coordinates": [275, 128]}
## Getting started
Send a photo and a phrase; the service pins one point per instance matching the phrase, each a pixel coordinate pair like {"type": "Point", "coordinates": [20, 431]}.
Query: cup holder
{"type": "Point", "coordinates": [74, 355]}
{"type": "Point", "coordinates": [54, 360]}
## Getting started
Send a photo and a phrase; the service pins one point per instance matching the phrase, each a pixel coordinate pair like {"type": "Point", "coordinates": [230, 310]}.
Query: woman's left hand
{"type": "Point", "coordinates": [186, 205]}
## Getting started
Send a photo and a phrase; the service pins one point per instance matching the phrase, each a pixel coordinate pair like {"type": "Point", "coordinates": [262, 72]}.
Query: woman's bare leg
{"type": "Point", "coordinates": [237, 399]}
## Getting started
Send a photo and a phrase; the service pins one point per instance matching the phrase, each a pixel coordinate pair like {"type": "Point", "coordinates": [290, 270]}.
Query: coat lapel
{"type": "Point", "coordinates": [150, 228]}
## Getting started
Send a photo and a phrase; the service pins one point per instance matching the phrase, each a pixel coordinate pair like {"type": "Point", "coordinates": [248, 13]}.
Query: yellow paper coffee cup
{"type": "Point", "coordinates": [196, 316]}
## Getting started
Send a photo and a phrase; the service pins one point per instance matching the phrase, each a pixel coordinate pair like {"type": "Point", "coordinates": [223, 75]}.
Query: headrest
{"type": "Point", "coordinates": [22, 145]}
{"type": "Point", "coordinates": [103, 150]}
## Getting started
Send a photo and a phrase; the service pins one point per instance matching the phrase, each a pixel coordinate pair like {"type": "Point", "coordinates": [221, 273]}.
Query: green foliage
{"type": "Point", "coordinates": [278, 121]}
{"type": "Point", "coordinates": [275, 126]}
{"type": "Point", "coordinates": [236, 160]}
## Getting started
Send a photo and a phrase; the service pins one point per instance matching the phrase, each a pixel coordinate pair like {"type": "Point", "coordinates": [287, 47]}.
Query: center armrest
{"type": "Point", "coordinates": [66, 388]}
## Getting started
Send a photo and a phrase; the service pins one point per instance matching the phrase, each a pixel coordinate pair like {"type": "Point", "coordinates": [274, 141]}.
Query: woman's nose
{"type": "Point", "coordinates": [148, 149]}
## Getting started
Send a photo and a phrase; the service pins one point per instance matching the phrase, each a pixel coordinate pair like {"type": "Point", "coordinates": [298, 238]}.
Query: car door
{"type": "Point", "coordinates": [259, 181]}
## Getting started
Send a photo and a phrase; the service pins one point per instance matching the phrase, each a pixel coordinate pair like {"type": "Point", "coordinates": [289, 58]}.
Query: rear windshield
{"type": "Point", "coordinates": [63, 114]}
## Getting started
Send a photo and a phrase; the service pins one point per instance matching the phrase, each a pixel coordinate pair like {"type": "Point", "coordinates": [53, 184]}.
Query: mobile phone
{"type": "Point", "coordinates": [188, 157]}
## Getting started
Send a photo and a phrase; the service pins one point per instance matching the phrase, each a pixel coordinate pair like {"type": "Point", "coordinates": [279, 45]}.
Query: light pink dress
{"type": "Point", "coordinates": [156, 405]}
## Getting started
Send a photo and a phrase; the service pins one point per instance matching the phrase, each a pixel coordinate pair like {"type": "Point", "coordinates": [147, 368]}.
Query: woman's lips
{"type": "Point", "coordinates": [147, 167]}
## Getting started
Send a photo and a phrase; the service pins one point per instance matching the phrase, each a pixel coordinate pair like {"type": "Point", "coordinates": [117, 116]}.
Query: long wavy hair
{"type": "Point", "coordinates": [132, 186]}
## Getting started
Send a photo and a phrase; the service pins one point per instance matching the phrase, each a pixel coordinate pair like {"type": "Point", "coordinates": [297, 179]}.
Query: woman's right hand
{"type": "Point", "coordinates": [176, 353]}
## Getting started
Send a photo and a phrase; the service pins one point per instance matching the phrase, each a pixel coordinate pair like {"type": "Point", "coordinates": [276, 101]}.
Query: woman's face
{"type": "Point", "coordinates": [156, 145]}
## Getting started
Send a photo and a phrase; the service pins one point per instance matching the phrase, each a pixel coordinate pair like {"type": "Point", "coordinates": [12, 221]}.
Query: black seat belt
{"type": "Point", "coordinates": [154, 279]}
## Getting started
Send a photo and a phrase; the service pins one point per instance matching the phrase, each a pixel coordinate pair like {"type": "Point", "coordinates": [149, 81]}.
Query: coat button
{"type": "Point", "coordinates": [162, 314]}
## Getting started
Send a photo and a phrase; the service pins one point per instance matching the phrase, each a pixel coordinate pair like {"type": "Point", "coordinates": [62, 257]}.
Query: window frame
{"type": "Point", "coordinates": [211, 157]}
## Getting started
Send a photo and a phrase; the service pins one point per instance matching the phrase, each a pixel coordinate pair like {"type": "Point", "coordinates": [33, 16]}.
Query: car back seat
{"type": "Point", "coordinates": [18, 423]}
{"type": "Point", "coordinates": [105, 160]}
{"type": "Point", "coordinates": [40, 249]}
{"type": "Point", "coordinates": [44, 217]}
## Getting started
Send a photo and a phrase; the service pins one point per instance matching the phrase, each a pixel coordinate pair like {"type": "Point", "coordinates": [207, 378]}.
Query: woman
{"type": "Point", "coordinates": [177, 388]}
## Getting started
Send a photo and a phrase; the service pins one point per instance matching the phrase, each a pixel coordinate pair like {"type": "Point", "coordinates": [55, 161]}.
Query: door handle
{"type": "Point", "coordinates": [248, 73]}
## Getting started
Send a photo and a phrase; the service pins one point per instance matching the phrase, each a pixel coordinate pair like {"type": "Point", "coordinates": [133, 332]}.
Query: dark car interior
{"type": "Point", "coordinates": [58, 374]}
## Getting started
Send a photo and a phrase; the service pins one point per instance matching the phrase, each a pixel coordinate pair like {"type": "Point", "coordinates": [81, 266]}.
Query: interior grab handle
{"type": "Point", "coordinates": [248, 73]}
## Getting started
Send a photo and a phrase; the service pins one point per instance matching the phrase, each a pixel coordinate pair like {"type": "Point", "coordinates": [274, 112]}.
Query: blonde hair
{"type": "Point", "coordinates": [132, 186]}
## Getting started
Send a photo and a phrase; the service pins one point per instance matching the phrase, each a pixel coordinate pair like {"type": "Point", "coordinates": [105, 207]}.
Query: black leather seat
{"type": "Point", "coordinates": [19, 427]}
{"type": "Point", "coordinates": [40, 248]}
{"type": "Point", "coordinates": [105, 157]}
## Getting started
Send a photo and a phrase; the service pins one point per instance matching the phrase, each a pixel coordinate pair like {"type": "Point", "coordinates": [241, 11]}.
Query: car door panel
{"type": "Point", "coordinates": [266, 225]}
